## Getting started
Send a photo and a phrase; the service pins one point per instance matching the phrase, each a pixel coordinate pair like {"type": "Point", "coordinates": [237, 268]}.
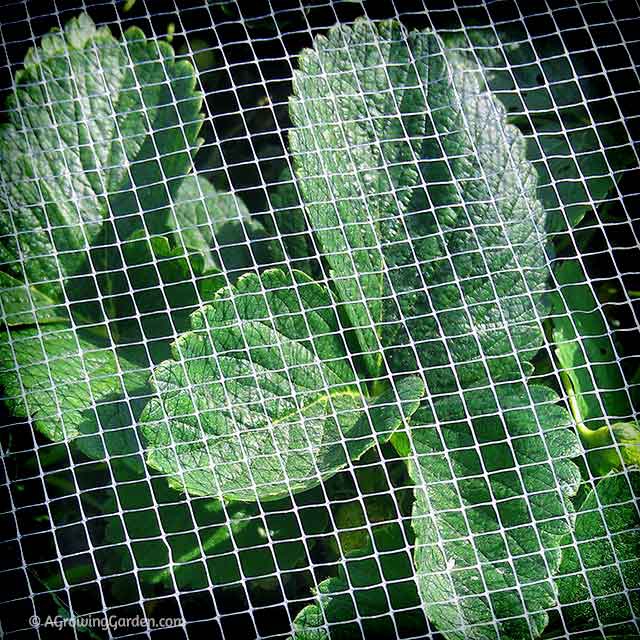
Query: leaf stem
{"type": "Point", "coordinates": [592, 438]}
{"type": "Point", "coordinates": [583, 430]}
{"type": "Point", "coordinates": [377, 387]}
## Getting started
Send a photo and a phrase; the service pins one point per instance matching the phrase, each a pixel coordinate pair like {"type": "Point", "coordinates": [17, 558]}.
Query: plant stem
{"type": "Point", "coordinates": [378, 386]}
{"type": "Point", "coordinates": [583, 430]}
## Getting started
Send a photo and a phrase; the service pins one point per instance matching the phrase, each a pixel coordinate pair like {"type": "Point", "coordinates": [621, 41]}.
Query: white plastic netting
{"type": "Point", "coordinates": [315, 331]}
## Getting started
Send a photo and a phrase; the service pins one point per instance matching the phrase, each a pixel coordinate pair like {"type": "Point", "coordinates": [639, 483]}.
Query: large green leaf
{"type": "Point", "coordinates": [491, 509]}
{"type": "Point", "coordinates": [86, 120]}
{"type": "Point", "coordinates": [599, 579]}
{"type": "Point", "coordinates": [66, 381]}
{"type": "Point", "coordinates": [379, 116]}
{"type": "Point", "coordinates": [198, 209]}
{"type": "Point", "coordinates": [261, 398]}
{"type": "Point", "coordinates": [556, 96]}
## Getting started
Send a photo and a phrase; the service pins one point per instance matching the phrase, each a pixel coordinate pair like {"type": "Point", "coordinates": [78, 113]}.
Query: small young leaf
{"type": "Point", "coordinates": [261, 398]}
{"type": "Point", "coordinates": [198, 210]}
{"type": "Point", "coordinates": [375, 596]}
{"type": "Point", "coordinates": [244, 245]}
{"type": "Point", "coordinates": [611, 448]}
{"type": "Point", "coordinates": [219, 226]}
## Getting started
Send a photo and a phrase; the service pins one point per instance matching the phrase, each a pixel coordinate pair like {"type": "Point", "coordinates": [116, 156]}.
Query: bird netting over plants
{"type": "Point", "coordinates": [320, 320]}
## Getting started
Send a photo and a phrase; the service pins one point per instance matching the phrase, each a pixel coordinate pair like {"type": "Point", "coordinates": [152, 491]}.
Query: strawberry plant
{"type": "Point", "coordinates": [398, 352]}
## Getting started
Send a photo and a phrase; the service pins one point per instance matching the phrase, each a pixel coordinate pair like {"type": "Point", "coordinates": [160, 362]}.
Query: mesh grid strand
{"type": "Point", "coordinates": [320, 320]}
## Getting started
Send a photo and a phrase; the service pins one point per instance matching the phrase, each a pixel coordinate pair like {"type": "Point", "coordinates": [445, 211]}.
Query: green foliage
{"type": "Point", "coordinates": [455, 270]}
{"type": "Point", "coordinates": [261, 398]}
{"type": "Point", "coordinates": [374, 595]}
{"type": "Point", "coordinates": [417, 222]}
{"type": "Point", "coordinates": [67, 167]}
{"type": "Point", "coordinates": [491, 509]}
{"type": "Point", "coordinates": [219, 226]}
{"type": "Point", "coordinates": [599, 579]}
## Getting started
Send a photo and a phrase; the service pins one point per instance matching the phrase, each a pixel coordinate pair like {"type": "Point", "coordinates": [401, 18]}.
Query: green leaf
{"type": "Point", "coordinates": [79, 166]}
{"type": "Point", "coordinates": [62, 380]}
{"type": "Point", "coordinates": [261, 398]}
{"type": "Point", "coordinates": [244, 245]}
{"type": "Point", "coordinates": [374, 595]}
{"type": "Point", "coordinates": [78, 146]}
{"type": "Point", "coordinates": [585, 349]}
{"type": "Point", "coordinates": [413, 179]}
{"type": "Point", "coordinates": [379, 115]}
{"type": "Point", "coordinates": [177, 269]}
{"type": "Point", "coordinates": [197, 209]}
{"type": "Point", "coordinates": [199, 215]}
{"type": "Point", "coordinates": [491, 509]}
{"type": "Point", "coordinates": [219, 226]}
{"type": "Point", "coordinates": [23, 305]}
{"type": "Point", "coordinates": [579, 150]}
{"type": "Point", "coordinates": [599, 579]}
